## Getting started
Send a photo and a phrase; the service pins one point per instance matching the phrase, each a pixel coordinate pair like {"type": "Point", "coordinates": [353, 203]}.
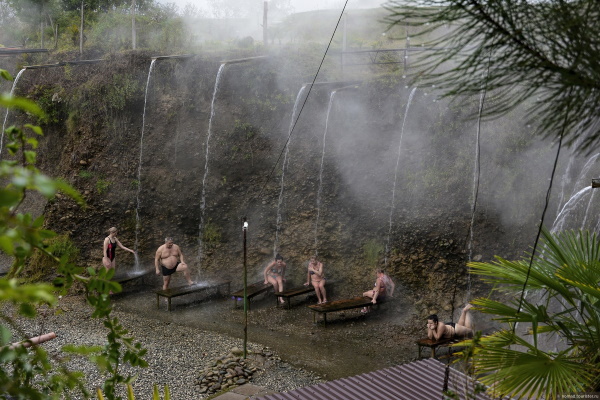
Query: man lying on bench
{"type": "Point", "coordinates": [384, 286]}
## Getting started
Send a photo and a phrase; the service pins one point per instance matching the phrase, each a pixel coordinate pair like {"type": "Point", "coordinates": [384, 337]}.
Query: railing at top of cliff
{"type": "Point", "coordinates": [241, 60]}
{"type": "Point", "coordinates": [63, 63]}
{"type": "Point", "coordinates": [184, 56]}
{"type": "Point", "coordinates": [175, 56]}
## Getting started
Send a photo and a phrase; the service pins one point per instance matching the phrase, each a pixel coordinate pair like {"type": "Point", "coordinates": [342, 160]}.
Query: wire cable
{"type": "Point", "coordinates": [304, 103]}
{"type": "Point", "coordinates": [537, 238]}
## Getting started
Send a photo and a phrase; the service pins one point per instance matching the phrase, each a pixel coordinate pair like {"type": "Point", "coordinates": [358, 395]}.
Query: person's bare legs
{"type": "Point", "coordinates": [464, 326]}
{"type": "Point", "coordinates": [370, 295]}
{"type": "Point", "coordinates": [277, 284]}
{"type": "Point", "coordinates": [182, 267]}
{"type": "Point", "coordinates": [317, 291]}
{"type": "Point", "coordinates": [280, 284]}
{"type": "Point", "coordinates": [323, 292]}
{"type": "Point", "coordinates": [166, 281]}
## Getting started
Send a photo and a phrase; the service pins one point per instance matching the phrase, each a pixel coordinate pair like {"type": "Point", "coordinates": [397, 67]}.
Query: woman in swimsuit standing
{"type": "Point", "coordinates": [110, 246]}
{"type": "Point", "coordinates": [463, 328]}
{"type": "Point", "coordinates": [275, 274]}
{"type": "Point", "coordinates": [316, 276]}
{"type": "Point", "coordinates": [384, 286]}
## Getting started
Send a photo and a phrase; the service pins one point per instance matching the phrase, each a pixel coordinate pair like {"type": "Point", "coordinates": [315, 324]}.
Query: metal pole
{"type": "Point", "coordinates": [406, 51]}
{"type": "Point", "coordinates": [245, 229]}
{"type": "Point", "coordinates": [81, 31]}
{"type": "Point", "coordinates": [344, 41]}
{"type": "Point", "coordinates": [133, 38]}
{"type": "Point", "coordinates": [265, 25]}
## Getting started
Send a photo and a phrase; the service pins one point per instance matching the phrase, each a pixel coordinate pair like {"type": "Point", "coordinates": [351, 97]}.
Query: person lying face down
{"type": "Point", "coordinates": [437, 330]}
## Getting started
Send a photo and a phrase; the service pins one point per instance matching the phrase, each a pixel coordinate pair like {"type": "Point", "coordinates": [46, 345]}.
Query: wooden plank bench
{"type": "Point", "coordinates": [252, 290]}
{"type": "Point", "coordinates": [300, 290]}
{"type": "Point", "coordinates": [434, 344]}
{"type": "Point", "coordinates": [288, 294]}
{"type": "Point", "coordinates": [188, 289]}
{"type": "Point", "coordinates": [341, 305]}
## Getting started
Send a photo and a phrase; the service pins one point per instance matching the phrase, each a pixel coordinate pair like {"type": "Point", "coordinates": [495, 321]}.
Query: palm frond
{"type": "Point", "coordinates": [520, 373]}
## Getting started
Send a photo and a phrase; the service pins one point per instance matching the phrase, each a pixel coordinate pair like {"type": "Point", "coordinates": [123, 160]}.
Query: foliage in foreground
{"type": "Point", "coordinates": [30, 373]}
{"type": "Point", "coordinates": [563, 307]}
{"type": "Point", "coordinates": [544, 50]}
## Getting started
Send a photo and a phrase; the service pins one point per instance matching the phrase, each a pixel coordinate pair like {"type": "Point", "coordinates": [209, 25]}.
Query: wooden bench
{"type": "Point", "coordinates": [288, 294]}
{"type": "Point", "coordinates": [434, 344]}
{"type": "Point", "coordinates": [340, 305]}
{"type": "Point", "coordinates": [252, 290]}
{"type": "Point", "coordinates": [188, 289]}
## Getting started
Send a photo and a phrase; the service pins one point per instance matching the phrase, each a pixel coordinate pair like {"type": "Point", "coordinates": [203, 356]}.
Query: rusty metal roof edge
{"type": "Point", "coordinates": [412, 381]}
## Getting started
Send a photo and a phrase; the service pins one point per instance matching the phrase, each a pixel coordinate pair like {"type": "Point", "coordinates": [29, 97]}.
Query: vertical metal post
{"type": "Point", "coordinates": [245, 229]}
{"type": "Point", "coordinates": [81, 31]}
{"type": "Point", "coordinates": [406, 51]}
{"type": "Point", "coordinates": [265, 25]}
{"type": "Point", "coordinates": [344, 41]}
{"type": "Point", "coordinates": [133, 38]}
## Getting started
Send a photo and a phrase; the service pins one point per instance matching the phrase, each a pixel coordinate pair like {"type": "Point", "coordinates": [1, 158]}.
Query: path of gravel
{"type": "Point", "coordinates": [176, 353]}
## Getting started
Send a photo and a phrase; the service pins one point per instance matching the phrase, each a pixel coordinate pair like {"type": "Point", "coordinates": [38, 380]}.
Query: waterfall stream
{"type": "Point", "coordinates": [319, 192]}
{"type": "Point", "coordinates": [12, 91]}
{"type": "Point", "coordinates": [203, 196]}
{"type": "Point", "coordinates": [568, 208]}
{"type": "Point", "coordinates": [392, 205]}
{"type": "Point", "coordinates": [139, 176]}
{"type": "Point", "coordinates": [284, 166]}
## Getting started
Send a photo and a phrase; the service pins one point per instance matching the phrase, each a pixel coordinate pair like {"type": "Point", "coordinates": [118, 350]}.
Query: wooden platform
{"type": "Point", "coordinates": [189, 289]}
{"type": "Point", "coordinates": [252, 290]}
{"type": "Point", "coordinates": [340, 305]}
{"type": "Point", "coordinates": [434, 344]}
{"type": "Point", "coordinates": [288, 294]}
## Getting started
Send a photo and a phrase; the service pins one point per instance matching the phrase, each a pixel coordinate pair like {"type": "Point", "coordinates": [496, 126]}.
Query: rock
{"type": "Point", "coordinates": [237, 351]}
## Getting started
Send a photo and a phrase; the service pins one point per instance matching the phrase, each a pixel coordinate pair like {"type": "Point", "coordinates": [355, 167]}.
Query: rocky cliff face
{"type": "Point", "coordinates": [344, 166]}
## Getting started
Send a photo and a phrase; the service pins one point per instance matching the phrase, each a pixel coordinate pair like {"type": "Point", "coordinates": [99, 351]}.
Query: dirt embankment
{"type": "Point", "coordinates": [360, 175]}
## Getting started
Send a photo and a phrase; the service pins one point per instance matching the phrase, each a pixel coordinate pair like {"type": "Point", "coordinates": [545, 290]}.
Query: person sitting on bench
{"type": "Point", "coordinates": [316, 276]}
{"type": "Point", "coordinates": [462, 329]}
{"type": "Point", "coordinates": [275, 274]}
{"type": "Point", "coordinates": [384, 286]}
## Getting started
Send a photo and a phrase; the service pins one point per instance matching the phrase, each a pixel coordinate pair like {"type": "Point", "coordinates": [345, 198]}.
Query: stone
{"type": "Point", "coordinates": [237, 351]}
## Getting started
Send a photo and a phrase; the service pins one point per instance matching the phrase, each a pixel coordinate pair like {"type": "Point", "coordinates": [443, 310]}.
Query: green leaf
{"type": "Point", "coordinates": [5, 335]}
{"type": "Point", "coordinates": [36, 129]}
{"type": "Point", "coordinates": [29, 106]}
{"type": "Point", "coordinates": [27, 310]}
{"type": "Point", "coordinates": [6, 75]}
{"type": "Point", "coordinates": [9, 198]}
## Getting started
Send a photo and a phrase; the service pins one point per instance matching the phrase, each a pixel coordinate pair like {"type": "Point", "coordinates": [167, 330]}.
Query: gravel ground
{"type": "Point", "coordinates": [176, 353]}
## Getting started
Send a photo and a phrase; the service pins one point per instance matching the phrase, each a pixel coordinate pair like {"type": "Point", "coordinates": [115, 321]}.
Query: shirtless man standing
{"type": "Point", "coordinates": [169, 260]}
